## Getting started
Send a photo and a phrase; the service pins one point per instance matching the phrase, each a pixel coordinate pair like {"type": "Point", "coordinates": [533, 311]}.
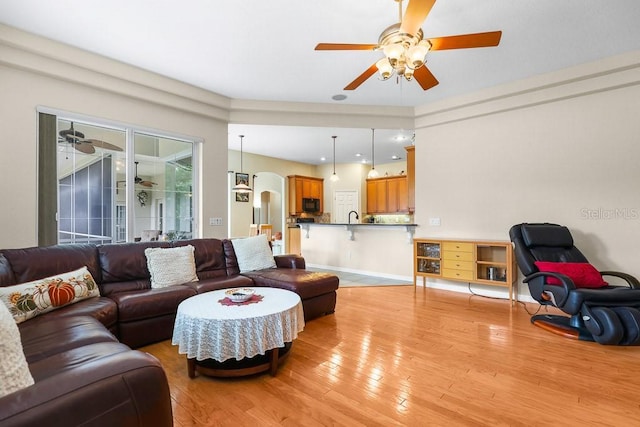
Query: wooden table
{"type": "Point", "coordinates": [238, 339]}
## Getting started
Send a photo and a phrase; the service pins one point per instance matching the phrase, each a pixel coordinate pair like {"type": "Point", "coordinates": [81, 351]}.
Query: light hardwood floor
{"type": "Point", "coordinates": [387, 357]}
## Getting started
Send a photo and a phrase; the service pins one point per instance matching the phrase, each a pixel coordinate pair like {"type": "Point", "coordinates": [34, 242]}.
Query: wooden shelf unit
{"type": "Point", "coordinates": [475, 261]}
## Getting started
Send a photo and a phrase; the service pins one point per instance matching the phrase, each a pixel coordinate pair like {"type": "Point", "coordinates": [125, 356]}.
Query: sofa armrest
{"type": "Point", "coordinates": [290, 261]}
{"type": "Point", "coordinates": [123, 389]}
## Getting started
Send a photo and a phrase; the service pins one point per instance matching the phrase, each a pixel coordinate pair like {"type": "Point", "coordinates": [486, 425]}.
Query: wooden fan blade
{"type": "Point", "coordinates": [345, 46]}
{"type": "Point", "coordinates": [465, 41]}
{"type": "Point", "coordinates": [147, 184]}
{"type": "Point", "coordinates": [103, 144]}
{"type": "Point", "coordinates": [362, 77]}
{"type": "Point", "coordinates": [84, 148]}
{"type": "Point", "coordinates": [415, 14]}
{"type": "Point", "coordinates": [424, 77]}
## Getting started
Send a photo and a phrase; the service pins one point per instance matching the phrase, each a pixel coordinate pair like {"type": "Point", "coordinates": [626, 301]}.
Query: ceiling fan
{"type": "Point", "coordinates": [87, 146]}
{"type": "Point", "coordinates": [405, 47]}
{"type": "Point", "coordinates": [141, 181]}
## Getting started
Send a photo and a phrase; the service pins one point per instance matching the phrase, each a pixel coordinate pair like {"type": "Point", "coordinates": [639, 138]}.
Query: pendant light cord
{"type": "Point", "coordinates": [241, 169]}
{"type": "Point", "coordinates": [334, 154]}
{"type": "Point", "coordinates": [373, 151]}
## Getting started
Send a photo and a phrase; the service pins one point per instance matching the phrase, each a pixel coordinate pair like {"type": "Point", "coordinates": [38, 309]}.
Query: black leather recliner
{"type": "Point", "coordinates": [607, 314]}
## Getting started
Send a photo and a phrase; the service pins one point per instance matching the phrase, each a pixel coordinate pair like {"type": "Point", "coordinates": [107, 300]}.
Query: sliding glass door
{"type": "Point", "coordinates": [163, 188]}
{"type": "Point", "coordinates": [121, 184]}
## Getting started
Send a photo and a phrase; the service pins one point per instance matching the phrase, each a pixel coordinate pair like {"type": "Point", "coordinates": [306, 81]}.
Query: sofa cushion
{"type": "Point", "coordinates": [217, 283]}
{"type": "Point", "coordinates": [14, 371]}
{"type": "Point", "coordinates": [102, 309]}
{"type": "Point", "coordinates": [122, 262]}
{"type": "Point", "coordinates": [209, 256]}
{"type": "Point", "coordinates": [28, 300]}
{"type": "Point", "coordinates": [253, 253]}
{"type": "Point", "coordinates": [171, 266]}
{"type": "Point", "coordinates": [46, 335]}
{"type": "Point", "coordinates": [69, 359]}
{"type": "Point", "coordinates": [38, 262]}
{"type": "Point", "coordinates": [305, 283]}
{"type": "Point", "coordinates": [150, 303]}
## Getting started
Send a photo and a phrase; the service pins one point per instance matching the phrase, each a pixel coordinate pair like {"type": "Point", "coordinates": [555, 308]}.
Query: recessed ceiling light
{"type": "Point", "coordinates": [358, 154]}
{"type": "Point", "coordinates": [322, 159]}
{"type": "Point", "coordinates": [395, 157]}
{"type": "Point", "coordinates": [339, 97]}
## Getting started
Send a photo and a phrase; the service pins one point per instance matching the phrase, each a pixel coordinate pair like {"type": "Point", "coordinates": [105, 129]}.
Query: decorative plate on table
{"type": "Point", "coordinates": [239, 294]}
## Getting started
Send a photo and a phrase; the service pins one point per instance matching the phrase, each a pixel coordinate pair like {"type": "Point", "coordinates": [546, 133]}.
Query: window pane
{"type": "Point", "coordinates": [85, 168]}
{"type": "Point", "coordinates": [164, 182]}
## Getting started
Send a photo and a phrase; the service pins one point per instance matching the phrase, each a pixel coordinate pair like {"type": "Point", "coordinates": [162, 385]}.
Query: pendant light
{"type": "Point", "coordinates": [334, 177]}
{"type": "Point", "coordinates": [241, 188]}
{"type": "Point", "coordinates": [373, 173]}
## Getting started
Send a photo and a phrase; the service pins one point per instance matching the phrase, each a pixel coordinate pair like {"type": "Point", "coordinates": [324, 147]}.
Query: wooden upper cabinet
{"type": "Point", "coordinates": [387, 195]}
{"type": "Point", "coordinates": [411, 177]}
{"type": "Point", "coordinates": [303, 187]}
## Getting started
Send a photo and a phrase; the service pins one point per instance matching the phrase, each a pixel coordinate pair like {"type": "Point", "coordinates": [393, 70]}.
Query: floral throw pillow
{"type": "Point", "coordinates": [27, 300]}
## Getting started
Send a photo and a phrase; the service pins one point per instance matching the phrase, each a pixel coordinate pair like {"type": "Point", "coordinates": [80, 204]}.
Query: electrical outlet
{"type": "Point", "coordinates": [215, 221]}
{"type": "Point", "coordinates": [434, 222]}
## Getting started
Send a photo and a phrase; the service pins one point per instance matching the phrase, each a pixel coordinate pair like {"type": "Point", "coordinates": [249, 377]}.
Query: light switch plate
{"type": "Point", "coordinates": [215, 221]}
{"type": "Point", "coordinates": [434, 221]}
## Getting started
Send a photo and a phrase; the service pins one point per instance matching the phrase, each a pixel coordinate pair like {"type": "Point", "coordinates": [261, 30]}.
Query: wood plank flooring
{"type": "Point", "coordinates": [388, 357]}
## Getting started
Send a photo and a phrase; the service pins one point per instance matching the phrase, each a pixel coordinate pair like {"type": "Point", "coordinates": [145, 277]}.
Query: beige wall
{"type": "Point", "coordinates": [31, 76]}
{"type": "Point", "coordinates": [558, 147]}
{"type": "Point", "coordinates": [241, 213]}
{"type": "Point", "coordinates": [568, 156]}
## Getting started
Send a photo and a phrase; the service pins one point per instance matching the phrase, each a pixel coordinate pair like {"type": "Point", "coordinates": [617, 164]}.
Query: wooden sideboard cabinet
{"type": "Point", "coordinates": [475, 261]}
{"type": "Point", "coordinates": [304, 187]}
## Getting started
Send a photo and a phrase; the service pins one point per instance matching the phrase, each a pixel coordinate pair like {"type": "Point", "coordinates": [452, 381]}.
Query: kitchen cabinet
{"type": "Point", "coordinates": [293, 241]}
{"type": "Point", "coordinates": [304, 187]}
{"type": "Point", "coordinates": [473, 261]}
{"type": "Point", "coordinates": [388, 195]}
{"type": "Point", "coordinates": [411, 177]}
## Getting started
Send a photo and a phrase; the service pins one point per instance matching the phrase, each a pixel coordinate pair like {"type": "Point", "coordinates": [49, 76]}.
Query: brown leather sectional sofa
{"type": "Point", "coordinates": [80, 355]}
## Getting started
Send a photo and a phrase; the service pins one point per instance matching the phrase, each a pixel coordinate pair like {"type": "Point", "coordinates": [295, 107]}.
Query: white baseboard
{"type": "Point", "coordinates": [482, 290]}
{"type": "Point", "coordinates": [363, 272]}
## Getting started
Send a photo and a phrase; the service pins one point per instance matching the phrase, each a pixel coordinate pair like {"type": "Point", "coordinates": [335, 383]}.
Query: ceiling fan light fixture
{"type": "Point", "coordinates": [394, 53]}
{"type": "Point", "coordinates": [417, 55]}
{"type": "Point", "coordinates": [384, 68]}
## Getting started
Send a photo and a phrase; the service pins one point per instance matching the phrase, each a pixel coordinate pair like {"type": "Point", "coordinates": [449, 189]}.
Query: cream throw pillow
{"type": "Point", "coordinates": [28, 300]}
{"type": "Point", "coordinates": [14, 370]}
{"type": "Point", "coordinates": [171, 266]}
{"type": "Point", "coordinates": [253, 253]}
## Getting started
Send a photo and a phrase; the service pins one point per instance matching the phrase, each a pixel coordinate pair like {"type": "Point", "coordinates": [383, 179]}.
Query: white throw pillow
{"type": "Point", "coordinates": [28, 300]}
{"type": "Point", "coordinates": [14, 370]}
{"type": "Point", "coordinates": [253, 253]}
{"type": "Point", "coordinates": [171, 266]}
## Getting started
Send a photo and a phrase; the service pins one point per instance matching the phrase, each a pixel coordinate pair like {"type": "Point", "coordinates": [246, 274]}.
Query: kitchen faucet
{"type": "Point", "coordinates": [350, 212]}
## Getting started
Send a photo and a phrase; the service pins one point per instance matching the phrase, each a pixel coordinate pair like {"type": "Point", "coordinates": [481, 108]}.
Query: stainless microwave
{"type": "Point", "coordinates": [310, 205]}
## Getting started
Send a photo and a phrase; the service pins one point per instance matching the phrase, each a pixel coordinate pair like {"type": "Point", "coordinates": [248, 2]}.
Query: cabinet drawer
{"type": "Point", "coordinates": [458, 256]}
{"type": "Point", "coordinates": [457, 274]}
{"type": "Point", "coordinates": [451, 264]}
{"type": "Point", "coordinates": [457, 246]}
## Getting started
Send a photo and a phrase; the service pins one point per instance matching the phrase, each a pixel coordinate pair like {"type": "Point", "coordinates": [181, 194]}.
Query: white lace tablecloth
{"type": "Point", "coordinates": [206, 329]}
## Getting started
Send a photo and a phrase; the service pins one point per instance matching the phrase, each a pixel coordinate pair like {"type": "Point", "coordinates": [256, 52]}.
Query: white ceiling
{"type": "Point", "coordinates": [264, 50]}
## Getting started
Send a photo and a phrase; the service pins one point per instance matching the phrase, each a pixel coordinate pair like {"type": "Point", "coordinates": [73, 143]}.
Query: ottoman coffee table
{"type": "Point", "coordinates": [226, 339]}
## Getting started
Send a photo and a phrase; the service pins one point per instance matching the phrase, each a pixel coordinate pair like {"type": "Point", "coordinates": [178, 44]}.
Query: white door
{"type": "Point", "coordinates": [345, 201]}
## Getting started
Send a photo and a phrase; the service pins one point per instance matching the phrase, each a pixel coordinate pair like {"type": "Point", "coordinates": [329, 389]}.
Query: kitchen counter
{"type": "Point", "coordinates": [408, 227]}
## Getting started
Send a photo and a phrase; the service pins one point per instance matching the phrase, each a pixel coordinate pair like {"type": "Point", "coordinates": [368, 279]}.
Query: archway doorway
{"type": "Point", "coordinates": [269, 205]}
